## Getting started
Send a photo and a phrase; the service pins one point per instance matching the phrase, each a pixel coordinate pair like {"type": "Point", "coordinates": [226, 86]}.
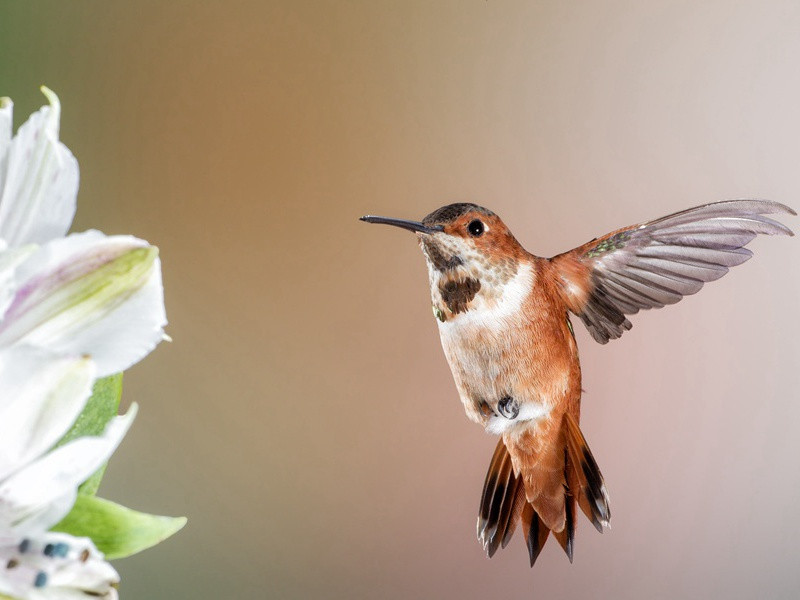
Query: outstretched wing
{"type": "Point", "coordinates": [659, 262]}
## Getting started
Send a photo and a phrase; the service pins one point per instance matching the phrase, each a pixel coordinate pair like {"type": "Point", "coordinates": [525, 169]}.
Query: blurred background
{"type": "Point", "coordinates": [304, 418]}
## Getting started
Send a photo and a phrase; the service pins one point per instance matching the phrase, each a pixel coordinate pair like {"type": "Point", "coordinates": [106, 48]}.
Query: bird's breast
{"type": "Point", "coordinates": [500, 352]}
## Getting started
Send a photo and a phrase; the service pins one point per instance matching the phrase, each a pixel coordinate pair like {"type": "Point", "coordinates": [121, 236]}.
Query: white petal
{"type": "Point", "coordinates": [48, 516]}
{"type": "Point", "coordinates": [38, 197]}
{"type": "Point", "coordinates": [6, 128]}
{"type": "Point", "coordinates": [31, 492]}
{"type": "Point", "coordinates": [55, 565]}
{"type": "Point", "coordinates": [126, 335]}
{"type": "Point", "coordinates": [94, 575]}
{"type": "Point", "coordinates": [41, 395]}
{"type": "Point", "coordinates": [89, 294]}
{"type": "Point", "coordinates": [9, 259]}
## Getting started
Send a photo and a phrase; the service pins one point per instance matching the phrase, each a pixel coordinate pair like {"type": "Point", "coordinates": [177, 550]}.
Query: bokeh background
{"type": "Point", "coordinates": [304, 418]}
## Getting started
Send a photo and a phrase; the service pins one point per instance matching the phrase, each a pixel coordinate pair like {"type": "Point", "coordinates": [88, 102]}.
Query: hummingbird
{"type": "Point", "coordinates": [504, 321]}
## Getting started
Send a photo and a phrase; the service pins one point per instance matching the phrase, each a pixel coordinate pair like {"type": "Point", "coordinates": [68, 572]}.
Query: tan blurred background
{"type": "Point", "coordinates": [304, 418]}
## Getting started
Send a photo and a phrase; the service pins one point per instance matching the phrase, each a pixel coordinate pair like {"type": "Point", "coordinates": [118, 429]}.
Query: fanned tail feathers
{"type": "Point", "coordinates": [591, 490]}
{"type": "Point", "coordinates": [501, 502]}
{"type": "Point", "coordinates": [504, 504]}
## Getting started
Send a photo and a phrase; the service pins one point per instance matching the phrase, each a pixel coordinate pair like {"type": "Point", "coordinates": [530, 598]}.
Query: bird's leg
{"type": "Point", "coordinates": [486, 410]}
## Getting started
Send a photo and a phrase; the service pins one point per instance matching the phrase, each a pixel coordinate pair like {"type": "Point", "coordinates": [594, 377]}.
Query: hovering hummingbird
{"type": "Point", "coordinates": [503, 317]}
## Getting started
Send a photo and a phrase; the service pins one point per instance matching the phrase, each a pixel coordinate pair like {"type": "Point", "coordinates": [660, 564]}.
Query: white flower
{"type": "Point", "coordinates": [72, 309]}
{"type": "Point", "coordinates": [38, 177]}
{"type": "Point", "coordinates": [41, 395]}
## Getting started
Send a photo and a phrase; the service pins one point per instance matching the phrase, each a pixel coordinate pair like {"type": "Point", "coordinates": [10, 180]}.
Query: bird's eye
{"type": "Point", "coordinates": [475, 228]}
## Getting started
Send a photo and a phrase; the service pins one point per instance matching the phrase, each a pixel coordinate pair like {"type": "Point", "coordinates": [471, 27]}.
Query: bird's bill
{"type": "Point", "coordinates": [403, 224]}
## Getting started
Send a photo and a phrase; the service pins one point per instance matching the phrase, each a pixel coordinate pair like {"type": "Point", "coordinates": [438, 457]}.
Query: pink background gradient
{"type": "Point", "coordinates": [304, 418]}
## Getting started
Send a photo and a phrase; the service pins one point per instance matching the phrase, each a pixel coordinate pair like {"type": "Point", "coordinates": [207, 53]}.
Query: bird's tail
{"type": "Point", "coordinates": [551, 506]}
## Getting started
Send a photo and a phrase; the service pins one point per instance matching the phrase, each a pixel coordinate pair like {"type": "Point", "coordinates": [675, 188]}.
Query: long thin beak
{"type": "Point", "coordinates": [404, 224]}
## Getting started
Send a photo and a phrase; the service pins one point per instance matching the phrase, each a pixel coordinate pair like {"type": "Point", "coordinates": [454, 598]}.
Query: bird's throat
{"type": "Point", "coordinates": [457, 294]}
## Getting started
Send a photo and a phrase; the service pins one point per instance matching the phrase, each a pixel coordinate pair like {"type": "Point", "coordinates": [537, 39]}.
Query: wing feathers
{"type": "Point", "coordinates": [660, 262]}
{"type": "Point", "coordinates": [722, 209]}
{"type": "Point", "coordinates": [693, 255]}
{"type": "Point", "coordinates": [680, 271]}
{"type": "Point", "coordinates": [727, 225]}
{"type": "Point", "coordinates": [623, 296]}
{"type": "Point", "coordinates": [652, 297]}
{"type": "Point", "coordinates": [682, 284]}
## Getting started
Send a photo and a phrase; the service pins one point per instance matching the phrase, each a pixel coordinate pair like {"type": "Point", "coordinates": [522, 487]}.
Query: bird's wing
{"type": "Point", "coordinates": [659, 262]}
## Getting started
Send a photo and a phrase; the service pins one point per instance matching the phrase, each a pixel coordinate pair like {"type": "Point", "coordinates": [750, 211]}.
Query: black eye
{"type": "Point", "coordinates": [475, 228]}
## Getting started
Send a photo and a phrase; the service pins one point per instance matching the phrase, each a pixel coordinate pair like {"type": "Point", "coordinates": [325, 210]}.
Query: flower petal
{"type": "Point", "coordinates": [41, 395]}
{"type": "Point", "coordinates": [53, 512]}
{"type": "Point", "coordinates": [55, 566]}
{"type": "Point", "coordinates": [6, 128]}
{"type": "Point", "coordinates": [30, 492]}
{"type": "Point", "coordinates": [40, 186]}
{"type": "Point", "coordinates": [9, 259]}
{"type": "Point", "coordinates": [89, 294]}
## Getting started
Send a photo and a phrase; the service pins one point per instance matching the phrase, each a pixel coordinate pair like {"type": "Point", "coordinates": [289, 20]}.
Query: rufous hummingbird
{"type": "Point", "coordinates": [503, 317]}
